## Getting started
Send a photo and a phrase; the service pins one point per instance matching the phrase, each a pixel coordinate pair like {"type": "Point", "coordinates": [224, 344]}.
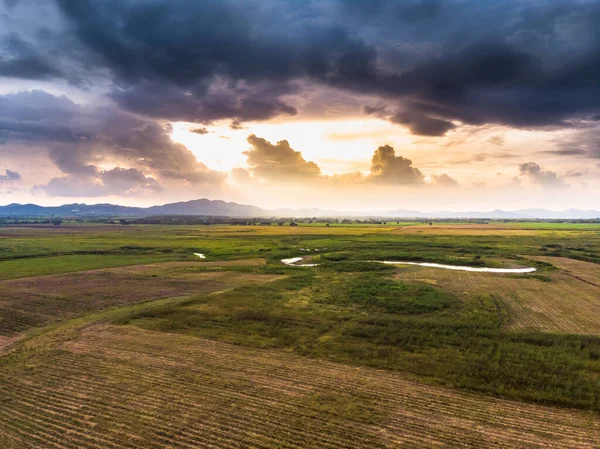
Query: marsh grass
{"type": "Point", "coordinates": [367, 318]}
{"type": "Point", "coordinates": [33, 251]}
{"type": "Point", "coordinates": [347, 310]}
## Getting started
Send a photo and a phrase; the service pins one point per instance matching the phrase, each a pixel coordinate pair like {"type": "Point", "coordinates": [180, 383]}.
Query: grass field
{"type": "Point", "coordinates": [33, 251]}
{"type": "Point", "coordinates": [560, 301]}
{"type": "Point", "coordinates": [38, 301]}
{"type": "Point", "coordinates": [125, 387]}
{"type": "Point", "coordinates": [121, 337]}
{"type": "Point", "coordinates": [366, 318]}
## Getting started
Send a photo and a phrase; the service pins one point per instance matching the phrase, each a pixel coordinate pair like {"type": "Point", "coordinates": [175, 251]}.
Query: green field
{"type": "Point", "coordinates": [124, 324]}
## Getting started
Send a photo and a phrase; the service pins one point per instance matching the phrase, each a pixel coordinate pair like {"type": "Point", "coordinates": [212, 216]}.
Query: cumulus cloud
{"type": "Point", "coordinates": [80, 138]}
{"type": "Point", "coordinates": [118, 181]}
{"type": "Point", "coordinates": [202, 131]}
{"type": "Point", "coordinates": [279, 162]}
{"type": "Point", "coordinates": [444, 180]}
{"type": "Point", "coordinates": [240, 175]}
{"type": "Point", "coordinates": [126, 179]}
{"type": "Point", "coordinates": [348, 178]}
{"type": "Point", "coordinates": [10, 175]}
{"type": "Point", "coordinates": [544, 178]}
{"type": "Point", "coordinates": [439, 65]}
{"type": "Point", "coordinates": [387, 168]}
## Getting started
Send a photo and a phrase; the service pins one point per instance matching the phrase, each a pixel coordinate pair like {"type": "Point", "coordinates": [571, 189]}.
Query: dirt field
{"type": "Point", "coordinates": [37, 301]}
{"type": "Point", "coordinates": [569, 302]}
{"type": "Point", "coordinates": [126, 387]}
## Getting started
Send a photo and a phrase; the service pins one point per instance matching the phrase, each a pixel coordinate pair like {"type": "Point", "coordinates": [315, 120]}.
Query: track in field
{"type": "Point", "coordinates": [37, 301]}
{"type": "Point", "coordinates": [569, 303]}
{"type": "Point", "coordinates": [121, 386]}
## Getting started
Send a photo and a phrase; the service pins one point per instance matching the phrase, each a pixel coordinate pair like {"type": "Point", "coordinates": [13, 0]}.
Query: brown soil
{"type": "Point", "coordinates": [126, 387]}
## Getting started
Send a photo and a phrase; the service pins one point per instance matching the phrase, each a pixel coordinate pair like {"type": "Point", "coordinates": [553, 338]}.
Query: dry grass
{"type": "Point", "coordinates": [126, 387]}
{"type": "Point", "coordinates": [257, 261]}
{"type": "Point", "coordinates": [584, 271]}
{"type": "Point", "coordinates": [569, 303]}
{"type": "Point", "coordinates": [33, 302]}
{"type": "Point", "coordinates": [186, 266]}
{"type": "Point", "coordinates": [465, 230]}
{"type": "Point", "coordinates": [7, 341]}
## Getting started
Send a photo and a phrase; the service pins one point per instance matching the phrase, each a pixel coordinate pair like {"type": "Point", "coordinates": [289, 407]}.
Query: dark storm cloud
{"type": "Point", "coordinates": [80, 138]}
{"type": "Point", "coordinates": [437, 63]}
{"type": "Point", "coordinates": [521, 64]}
{"type": "Point", "coordinates": [19, 59]}
{"type": "Point", "coordinates": [41, 132]}
{"type": "Point", "coordinates": [421, 124]}
{"type": "Point", "coordinates": [37, 106]}
{"type": "Point", "coordinates": [10, 175]}
{"type": "Point", "coordinates": [37, 116]}
{"type": "Point", "coordinates": [199, 104]}
{"type": "Point", "coordinates": [417, 122]}
{"type": "Point", "coordinates": [406, 11]}
{"type": "Point", "coordinates": [203, 61]}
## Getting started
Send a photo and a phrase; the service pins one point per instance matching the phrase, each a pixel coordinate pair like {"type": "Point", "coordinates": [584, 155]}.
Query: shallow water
{"type": "Point", "coordinates": [293, 261]}
{"type": "Point", "coordinates": [461, 267]}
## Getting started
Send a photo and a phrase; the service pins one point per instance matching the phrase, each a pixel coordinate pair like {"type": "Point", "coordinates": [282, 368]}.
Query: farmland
{"type": "Point", "coordinates": [559, 301]}
{"type": "Point", "coordinates": [122, 337]}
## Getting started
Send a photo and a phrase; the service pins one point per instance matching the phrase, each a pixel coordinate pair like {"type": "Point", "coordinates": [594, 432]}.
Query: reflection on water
{"type": "Point", "coordinates": [294, 262]}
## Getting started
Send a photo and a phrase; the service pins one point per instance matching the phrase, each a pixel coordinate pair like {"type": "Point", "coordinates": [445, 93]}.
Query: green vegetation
{"type": "Point", "coordinates": [411, 327]}
{"type": "Point", "coordinates": [130, 312]}
{"type": "Point", "coordinates": [25, 267]}
{"type": "Point", "coordinates": [48, 251]}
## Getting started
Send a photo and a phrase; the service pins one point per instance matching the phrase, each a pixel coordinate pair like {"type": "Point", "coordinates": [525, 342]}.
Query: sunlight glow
{"type": "Point", "coordinates": [337, 146]}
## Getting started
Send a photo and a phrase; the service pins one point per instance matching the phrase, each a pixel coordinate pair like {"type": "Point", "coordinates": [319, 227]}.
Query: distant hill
{"type": "Point", "coordinates": [217, 208]}
{"type": "Point", "coordinates": [566, 214]}
{"type": "Point", "coordinates": [205, 207]}
{"type": "Point", "coordinates": [195, 207]}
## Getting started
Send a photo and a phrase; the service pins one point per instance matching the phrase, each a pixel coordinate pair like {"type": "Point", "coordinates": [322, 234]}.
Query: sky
{"type": "Point", "coordinates": [356, 105]}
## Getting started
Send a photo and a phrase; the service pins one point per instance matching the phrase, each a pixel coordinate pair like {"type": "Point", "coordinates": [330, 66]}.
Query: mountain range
{"type": "Point", "coordinates": [216, 208]}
